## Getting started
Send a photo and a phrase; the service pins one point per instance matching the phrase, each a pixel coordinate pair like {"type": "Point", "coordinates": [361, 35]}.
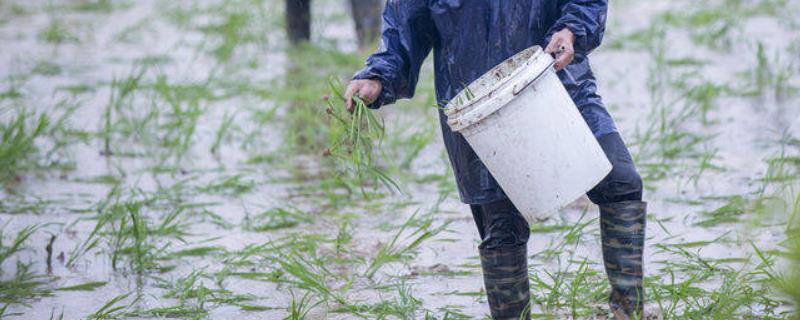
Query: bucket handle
{"type": "Point", "coordinates": [537, 77]}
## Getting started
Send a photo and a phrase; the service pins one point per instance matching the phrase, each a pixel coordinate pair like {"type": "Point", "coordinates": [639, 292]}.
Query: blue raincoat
{"type": "Point", "coordinates": [469, 37]}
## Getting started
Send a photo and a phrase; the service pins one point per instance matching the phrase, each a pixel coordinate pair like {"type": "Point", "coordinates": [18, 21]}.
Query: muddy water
{"type": "Point", "coordinates": [744, 130]}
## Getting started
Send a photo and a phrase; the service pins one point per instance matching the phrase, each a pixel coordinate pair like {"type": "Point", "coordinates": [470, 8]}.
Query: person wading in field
{"type": "Point", "coordinates": [469, 37]}
{"type": "Point", "coordinates": [366, 18]}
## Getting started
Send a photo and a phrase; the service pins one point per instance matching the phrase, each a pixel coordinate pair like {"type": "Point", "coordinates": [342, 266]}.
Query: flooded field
{"type": "Point", "coordinates": [167, 159]}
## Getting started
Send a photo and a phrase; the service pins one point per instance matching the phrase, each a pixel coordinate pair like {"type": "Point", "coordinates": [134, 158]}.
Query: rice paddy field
{"type": "Point", "coordinates": [174, 159]}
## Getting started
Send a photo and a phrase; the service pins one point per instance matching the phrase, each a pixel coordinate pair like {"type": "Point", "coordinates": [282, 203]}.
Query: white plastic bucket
{"type": "Point", "coordinates": [526, 129]}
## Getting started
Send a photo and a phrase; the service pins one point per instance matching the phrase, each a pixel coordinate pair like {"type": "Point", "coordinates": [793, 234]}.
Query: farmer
{"type": "Point", "coordinates": [469, 37]}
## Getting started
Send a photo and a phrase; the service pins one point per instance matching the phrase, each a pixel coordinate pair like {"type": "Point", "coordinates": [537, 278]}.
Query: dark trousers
{"type": "Point", "coordinates": [500, 223]}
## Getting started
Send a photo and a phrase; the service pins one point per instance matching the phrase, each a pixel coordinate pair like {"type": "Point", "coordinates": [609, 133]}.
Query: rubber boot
{"type": "Point", "coordinates": [622, 226]}
{"type": "Point", "coordinates": [505, 275]}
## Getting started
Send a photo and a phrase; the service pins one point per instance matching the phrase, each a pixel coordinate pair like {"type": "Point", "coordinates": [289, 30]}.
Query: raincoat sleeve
{"type": "Point", "coordinates": [406, 40]}
{"type": "Point", "coordinates": [586, 19]}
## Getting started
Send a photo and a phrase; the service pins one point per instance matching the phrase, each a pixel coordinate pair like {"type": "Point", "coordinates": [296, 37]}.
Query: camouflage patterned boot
{"type": "Point", "coordinates": [505, 274]}
{"type": "Point", "coordinates": [622, 226]}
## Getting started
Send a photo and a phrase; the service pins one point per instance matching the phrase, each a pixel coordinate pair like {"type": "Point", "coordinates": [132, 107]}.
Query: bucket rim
{"type": "Point", "coordinates": [452, 109]}
{"type": "Point", "coordinates": [535, 68]}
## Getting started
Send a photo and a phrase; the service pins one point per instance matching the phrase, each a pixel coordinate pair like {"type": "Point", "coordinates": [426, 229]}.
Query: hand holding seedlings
{"type": "Point", "coordinates": [355, 132]}
{"type": "Point", "coordinates": [562, 44]}
{"type": "Point", "coordinates": [367, 90]}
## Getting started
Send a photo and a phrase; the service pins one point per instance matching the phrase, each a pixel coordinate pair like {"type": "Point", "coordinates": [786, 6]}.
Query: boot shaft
{"type": "Point", "coordinates": [622, 227]}
{"type": "Point", "coordinates": [505, 275]}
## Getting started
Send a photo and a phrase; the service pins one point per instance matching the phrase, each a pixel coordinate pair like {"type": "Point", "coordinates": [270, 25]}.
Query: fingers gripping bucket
{"type": "Point", "coordinates": [526, 129]}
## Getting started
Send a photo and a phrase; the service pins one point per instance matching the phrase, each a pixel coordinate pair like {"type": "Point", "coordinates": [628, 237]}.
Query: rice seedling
{"type": "Point", "coordinates": [166, 132]}
{"type": "Point", "coordinates": [88, 286]}
{"type": "Point", "coordinates": [712, 291]}
{"type": "Point", "coordinates": [179, 311]}
{"type": "Point", "coordinates": [676, 291]}
{"type": "Point", "coordinates": [178, 130]}
{"type": "Point", "coordinates": [12, 205]}
{"type": "Point", "coordinates": [692, 260]}
{"type": "Point", "coordinates": [222, 132]}
{"type": "Point", "coordinates": [770, 75]}
{"type": "Point", "coordinates": [726, 301]}
{"type": "Point", "coordinates": [309, 273]}
{"type": "Point", "coordinates": [24, 284]}
{"type": "Point", "coordinates": [572, 234]}
{"type": "Point", "coordinates": [13, 91]}
{"type": "Point", "coordinates": [715, 288]}
{"type": "Point", "coordinates": [580, 285]}
{"type": "Point", "coordinates": [103, 6]}
{"type": "Point", "coordinates": [92, 240]}
{"type": "Point", "coordinates": [642, 39]}
{"type": "Point", "coordinates": [447, 313]}
{"type": "Point", "coordinates": [299, 309]}
{"type": "Point", "coordinates": [232, 186]}
{"type": "Point", "coordinates": [58, 32]}
{"type": "Point", "coordinates": [706, 163]}
{"type": "Point", "coordinates": [344, 237]}
{"type": "Point", "coordinates": [76, 89]}
{"type": "Point", "coordinates": [230, 31]}
{"type": "Point", "coordinates": [237, 23]}
{"type": "Point", "coordinates": [254, 307]}
{"type": "Point", "coordinates": [713, 24]}
{"type": "Point", "coordinates": [783, 167]}
{"type": "Point", "coordinates": [209, 89]}
{"type": "Point", "coordinates": [394, 251]}
{"type": "Point", "coordinates": [789, 281]}
{"type": "Point", "coordinates": [703, 96]}
{"type": "Point", "coordinates": [734, 207]}
{"type": "Point", "coordinates": [46, 68]}
{"type": "Point", "coordinates": [115, 308]}
{"type": "Point", "coordinates": [565, 289]}
{"type": "Point", "coordinates": [121, 90]}
{"type": "Point", "coordinates": [134, 34]}
{"type": "Point", "coordinates": [276, 218]}
{"type": "Point", "coordinates": [132, 238]}
{"type": "Point", "coordinates": [542, 228]}
{"type": "Point", "coordinates": [194, 297]}
{"type": "Point", "coordinates": [18, 146]}
{"type": "Point", "coordinates": [6, 251]}
{"type": "Point", "coordinates": [403, 306]}
{"type": "Point", "coordinates": [200, 251]}
{"type": "Point", "coordinates": [668, 143]}
{"type": "Point", "coordinates": [354, 135]}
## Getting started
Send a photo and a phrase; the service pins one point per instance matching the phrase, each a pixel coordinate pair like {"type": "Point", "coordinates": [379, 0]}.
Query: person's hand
{"type": "Point", "coordinates": [367, 90]}
{"type": "Point", "coordinates": [562, 42]}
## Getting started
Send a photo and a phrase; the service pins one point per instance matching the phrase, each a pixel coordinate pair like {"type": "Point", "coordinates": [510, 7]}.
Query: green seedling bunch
{"type": "Point", "coordinates": [355, 136]}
